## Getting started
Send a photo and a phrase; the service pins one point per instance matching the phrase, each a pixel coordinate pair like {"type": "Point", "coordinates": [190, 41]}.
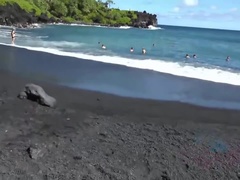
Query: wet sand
{"type": "Point", "coordinates": [97, 136]}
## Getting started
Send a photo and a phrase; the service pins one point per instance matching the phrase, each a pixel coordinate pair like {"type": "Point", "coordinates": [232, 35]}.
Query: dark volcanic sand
{"type": "Point", "coordinates": [94, 136]}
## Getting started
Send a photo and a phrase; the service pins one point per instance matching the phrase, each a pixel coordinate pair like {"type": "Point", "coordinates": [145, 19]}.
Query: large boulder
{"type": "Point", "coordinates": [36, 93]}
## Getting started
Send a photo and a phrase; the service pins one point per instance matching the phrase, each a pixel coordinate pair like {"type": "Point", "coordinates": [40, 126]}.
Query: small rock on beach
{"type": "Point", "coordinates": [36, 93]}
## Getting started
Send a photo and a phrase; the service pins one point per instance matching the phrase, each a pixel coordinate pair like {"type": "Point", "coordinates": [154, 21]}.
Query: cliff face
{"type": "Point", "coordinates": [13, 15]}
{"type": "Point", "coordinates": [144, 20]}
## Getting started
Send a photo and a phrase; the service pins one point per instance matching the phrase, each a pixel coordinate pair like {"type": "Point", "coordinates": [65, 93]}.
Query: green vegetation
{"type": "Point", "coordinates": [27, 5]}
{"type": "Point", "coordinates": [86, 11]}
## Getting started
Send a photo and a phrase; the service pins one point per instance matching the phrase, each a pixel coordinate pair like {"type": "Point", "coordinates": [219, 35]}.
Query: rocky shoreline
{"type": "Point", "coordinates": [13, 15]}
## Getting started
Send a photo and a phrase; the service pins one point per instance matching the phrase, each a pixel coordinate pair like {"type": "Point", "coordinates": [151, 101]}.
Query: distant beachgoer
{"type": "Point", "coordinates": [131, 49]}
{"type": "Point", "coordinates": [13, 35]}
{"type": "Point", "coordinates": [194, 56]}
{"type": "Point", "coordinates": [103, 47]}
{"type": "Point", "coordinates": [153, 45]}
{"type": "Point", "coordinates": [144, 51]}
{"type": "Point", "coordinates": [228, 58]}
{"type": "Point", "coordinates": [187, 56]}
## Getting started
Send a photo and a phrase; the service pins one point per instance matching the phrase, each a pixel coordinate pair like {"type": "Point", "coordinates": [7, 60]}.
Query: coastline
{"type": "Point", "coordinates": [100, 136]}
{"type": "Point", "coordinates": [38, 25]}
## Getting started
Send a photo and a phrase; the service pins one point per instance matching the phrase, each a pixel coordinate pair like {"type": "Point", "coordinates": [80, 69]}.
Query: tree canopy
{"type": "Point", "coordinates": [86, 11]}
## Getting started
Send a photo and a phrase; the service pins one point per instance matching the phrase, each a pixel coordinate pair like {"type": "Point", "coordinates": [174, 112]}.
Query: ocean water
{"type": "Point", "coordinates": [194, 80]}
{"type": "Point", "coordinates": [167, 55]}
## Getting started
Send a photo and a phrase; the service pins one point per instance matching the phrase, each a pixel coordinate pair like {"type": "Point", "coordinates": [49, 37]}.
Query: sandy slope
{"type": "Point", "coordinates": [98, 136]}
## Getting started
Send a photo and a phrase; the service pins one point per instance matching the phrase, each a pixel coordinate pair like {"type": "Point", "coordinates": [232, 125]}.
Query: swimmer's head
{"type": "Point", "coordinates": [103, 47]}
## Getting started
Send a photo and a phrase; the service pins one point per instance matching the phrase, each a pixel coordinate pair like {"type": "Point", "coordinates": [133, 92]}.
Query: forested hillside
{"type": "Point", "coordinates": [86, 11]}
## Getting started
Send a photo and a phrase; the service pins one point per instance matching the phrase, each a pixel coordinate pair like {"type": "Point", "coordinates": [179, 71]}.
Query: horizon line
{"type": "Point", "coordinates": [186, 26]}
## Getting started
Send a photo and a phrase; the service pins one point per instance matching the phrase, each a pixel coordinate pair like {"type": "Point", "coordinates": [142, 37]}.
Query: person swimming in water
{"type": "Point", "coordinates": [103, 46]}
{"type": "Point", "coordinates": [194, 56]}
{"type": "Point", "coordinates": [131, 49]}
{"type": "Point", "coordinates": [13, 35]}
{"type": "Point", "coordinates": [144, 51]}
{"type": "Point", "coordinates": [187, 56]}
{"type": "Point", "coordinates": [228, 58]}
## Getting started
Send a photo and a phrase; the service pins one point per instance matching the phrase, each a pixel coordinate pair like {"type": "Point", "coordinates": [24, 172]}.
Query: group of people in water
{"type": "Point", "coordinates": [187, 56]}
{"type": "Point", "coordinates": [144, 51]}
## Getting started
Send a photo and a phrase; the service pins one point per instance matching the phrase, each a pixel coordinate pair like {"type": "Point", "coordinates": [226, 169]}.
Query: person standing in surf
{"type": "Point", "coordinates": [13, 35]}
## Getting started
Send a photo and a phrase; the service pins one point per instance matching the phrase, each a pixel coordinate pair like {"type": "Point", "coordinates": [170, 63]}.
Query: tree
{"type": "Point", "coordinates": [109, 3]}
{"type": "Point", "coordinates": [58, 8]}
{"type": "Point", "coordinates": [43, 5]}
{"type": "Point", "coordinates": [87, 11]}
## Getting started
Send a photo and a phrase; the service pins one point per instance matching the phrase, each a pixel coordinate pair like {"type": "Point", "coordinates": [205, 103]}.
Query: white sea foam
{"type": "Point", "coordinates": [35, 25]}
{"type": "Point", "coordinates": [150, 27]}
{"type": "Point", "coordinates": [74, 24]}
{"type": "Point", "coordinates": [53, 44]}
{"type": "Point", "coordinates": [92, 25]}
{"type": "Point", "coordinates": [125, 27]}
{"type": "Point", "coordinates": [7, 27]}
{"type": "Point", "coordinates": [174, 68]}
{"type": "Point", "coordinates": [42, 37]}
{"type": "Point", "coordinates": [4, 33]}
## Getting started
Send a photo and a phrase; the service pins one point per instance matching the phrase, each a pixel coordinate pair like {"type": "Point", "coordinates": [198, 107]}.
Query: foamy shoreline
{"type": "Point", "coordinates": [173, 68]}
{"type": "Point", "coordinates": [39, 25]}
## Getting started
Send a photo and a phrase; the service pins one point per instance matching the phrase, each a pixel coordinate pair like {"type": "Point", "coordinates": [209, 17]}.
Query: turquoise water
{"type": "Point", "coordinates": [167, 55]}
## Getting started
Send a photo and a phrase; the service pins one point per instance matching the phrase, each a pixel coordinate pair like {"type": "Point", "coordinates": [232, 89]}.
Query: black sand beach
{"type": "Point", "coordinates": [93, 136]}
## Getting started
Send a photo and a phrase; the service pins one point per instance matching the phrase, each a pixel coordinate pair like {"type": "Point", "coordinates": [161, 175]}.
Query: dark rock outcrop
{"type": "Point", "coordinates": [144, 20]}
{"type": "Point", "coordinates": [14, 15]}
